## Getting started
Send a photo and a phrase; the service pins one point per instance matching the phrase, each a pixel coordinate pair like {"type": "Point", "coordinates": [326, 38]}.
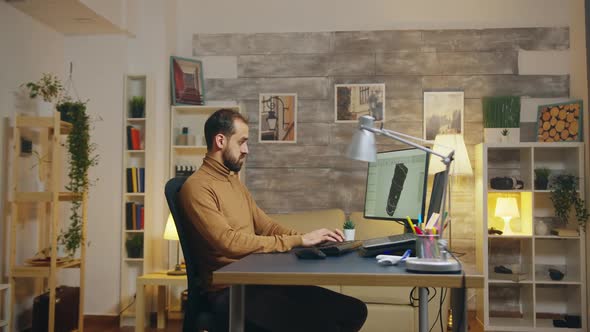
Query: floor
{"type": "Point", "coordinates": [175, 326]}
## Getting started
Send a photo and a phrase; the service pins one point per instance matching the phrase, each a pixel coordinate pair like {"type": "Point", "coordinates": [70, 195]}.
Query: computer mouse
{"type": "Point", "coordinates": [310, 253]}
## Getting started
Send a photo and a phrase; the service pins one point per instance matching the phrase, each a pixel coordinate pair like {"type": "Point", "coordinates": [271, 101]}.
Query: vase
{"type": "Point", "coordinates": [45, 108]}
{"type": "Point", "coordinates": [349, 234]}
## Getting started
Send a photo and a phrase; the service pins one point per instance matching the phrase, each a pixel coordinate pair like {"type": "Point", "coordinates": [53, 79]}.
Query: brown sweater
{"type": "Point", "coordinates": [225, 224]}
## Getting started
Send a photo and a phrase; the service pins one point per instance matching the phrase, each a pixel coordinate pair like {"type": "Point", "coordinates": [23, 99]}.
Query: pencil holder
{"type": "Point", "coordinates": [427, 246]}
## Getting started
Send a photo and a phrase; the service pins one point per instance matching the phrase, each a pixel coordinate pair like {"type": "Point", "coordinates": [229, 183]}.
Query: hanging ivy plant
{"type": "Point", "coordinates": [80, 157]}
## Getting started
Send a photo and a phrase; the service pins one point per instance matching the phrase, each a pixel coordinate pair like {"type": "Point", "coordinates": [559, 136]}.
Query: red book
{"type": "Point", "coordinates": [135, 139]}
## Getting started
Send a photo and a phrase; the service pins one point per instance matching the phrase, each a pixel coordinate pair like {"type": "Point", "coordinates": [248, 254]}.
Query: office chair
{"type": "Point", "coordinates": [197, 315]}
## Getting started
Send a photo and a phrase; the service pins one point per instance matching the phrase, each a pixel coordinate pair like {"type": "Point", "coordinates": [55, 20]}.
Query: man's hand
{"type": "Point", "coordinates": [322, 235]}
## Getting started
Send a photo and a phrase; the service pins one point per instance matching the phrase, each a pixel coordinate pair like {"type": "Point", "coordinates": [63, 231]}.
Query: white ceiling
{"type": "Point", "coordinates": [70, 17]}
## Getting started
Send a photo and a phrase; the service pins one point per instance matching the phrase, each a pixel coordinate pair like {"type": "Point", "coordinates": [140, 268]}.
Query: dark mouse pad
{"type": "Point", "coordinates": [309, 253]}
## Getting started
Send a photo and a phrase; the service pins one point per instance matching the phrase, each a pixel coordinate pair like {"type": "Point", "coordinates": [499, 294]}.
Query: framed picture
{"type": "Point", "coordinates": [355, 100]}
{"type": "Point", "coordinates": [277, 118]}
{"type": "Point", "coordinates": [186, 77]}
{"type": "Point", "coordinates": [560, 122]}
{"type": "Point", "coordinates": [443, 113]}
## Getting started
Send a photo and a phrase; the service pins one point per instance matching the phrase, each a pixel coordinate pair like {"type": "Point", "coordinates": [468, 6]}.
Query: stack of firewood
{"type": "Point", "coordinates": [559, 123]}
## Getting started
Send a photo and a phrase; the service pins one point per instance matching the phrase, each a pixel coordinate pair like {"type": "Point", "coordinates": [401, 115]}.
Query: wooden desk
{"type": "Point", "coordinates": [162, 280]}
{"type": "Point", "coordinates": [347, 270]}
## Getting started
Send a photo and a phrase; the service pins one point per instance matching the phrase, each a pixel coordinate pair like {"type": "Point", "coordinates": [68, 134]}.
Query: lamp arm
{"type": "Point", "coordinates": [446, 159]}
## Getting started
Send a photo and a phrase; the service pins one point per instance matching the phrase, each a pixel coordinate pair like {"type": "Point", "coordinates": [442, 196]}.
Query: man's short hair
{"type": "Point", "coordinates": [221, 122]}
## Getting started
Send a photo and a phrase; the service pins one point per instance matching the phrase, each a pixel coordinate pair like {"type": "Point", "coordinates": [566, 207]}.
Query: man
{"type": "Point", "coordinates": [226, 225]}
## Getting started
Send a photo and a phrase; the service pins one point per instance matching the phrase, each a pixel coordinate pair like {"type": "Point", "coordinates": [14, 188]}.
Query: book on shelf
{"type": "Point", "coordinates": [135, 179]}
{"type": "Point", "coordinates": [565, 232]}
{"type": "Point", "coordinates": [134, 216]}
{"type": "Point", "coordinates": [133, 138]}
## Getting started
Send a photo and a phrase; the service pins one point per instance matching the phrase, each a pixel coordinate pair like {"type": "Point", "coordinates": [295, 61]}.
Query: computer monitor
{"type": "Point", "coordinates": [396, 186]}
{"type": "Point", "coordinates": [436, 194]}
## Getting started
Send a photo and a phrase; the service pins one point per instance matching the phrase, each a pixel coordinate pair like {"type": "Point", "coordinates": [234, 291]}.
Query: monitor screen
{"type": "Point", "coordinates": [396, 185]}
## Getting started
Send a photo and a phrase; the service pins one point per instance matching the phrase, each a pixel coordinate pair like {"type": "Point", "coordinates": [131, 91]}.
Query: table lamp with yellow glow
{"type": "Point", "coordinates": [171, 234]}
{"type": "Point", "coordinates": [461, 166]}
{"type": "Point", "coordinates": [507, 208]}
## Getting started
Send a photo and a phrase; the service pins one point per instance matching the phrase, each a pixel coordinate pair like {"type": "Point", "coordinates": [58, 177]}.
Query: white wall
{"type": "Point", "coordinates": [99, 63]}
{"type": "Point", "coordinates": [208, 16]}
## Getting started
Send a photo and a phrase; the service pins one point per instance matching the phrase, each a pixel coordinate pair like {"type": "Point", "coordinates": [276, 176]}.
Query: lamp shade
{"type": "Point", "coordinates": [170, 232]}
{"type": "Point", "coordinates": [363, 146]}
{"type": "Point", "coordinates": [506, 207]}
{"type": "Point", "coordinates": [443, 144]}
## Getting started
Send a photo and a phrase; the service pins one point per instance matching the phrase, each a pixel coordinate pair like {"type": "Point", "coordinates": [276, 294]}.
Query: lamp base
{"type": "Point", "coordinates": [178, 271]}
{"type": "Point", "coordinates": [433, 265]}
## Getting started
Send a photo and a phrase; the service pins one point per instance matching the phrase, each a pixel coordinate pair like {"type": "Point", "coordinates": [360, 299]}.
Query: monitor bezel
{"type": "Point", "coordinates": [403, 221]}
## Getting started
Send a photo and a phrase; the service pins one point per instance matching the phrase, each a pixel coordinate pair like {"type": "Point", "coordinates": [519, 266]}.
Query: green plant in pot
{"type": "Point", "coordinates": [49, 88]}
{"type": "Point", "coordinates": [565, 196]}
{"type": "Point", "coordinates": [349, 230]}
{"type": "Point", "coordinates": [80, 158]}
{"type": "Point", "coordinates": [137, 106]}
{"type": "Point", "coordinates": [46, 91]}
{"type": "Point", "coordinates": [134, 246]}
{"type": "Point", "coordinates": [542, 178]}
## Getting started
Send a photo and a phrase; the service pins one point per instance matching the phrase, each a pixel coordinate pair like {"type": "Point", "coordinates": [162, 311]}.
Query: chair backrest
{"type": "Point", "coordinates": [195, 302]}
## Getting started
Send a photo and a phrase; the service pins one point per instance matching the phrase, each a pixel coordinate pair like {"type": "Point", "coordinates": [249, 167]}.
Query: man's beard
{"type": "Point", "coordinates": [234, 165]}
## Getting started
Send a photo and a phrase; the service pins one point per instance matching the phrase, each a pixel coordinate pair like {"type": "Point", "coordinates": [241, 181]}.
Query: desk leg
{"type": "Point", "coordinates": [139, 308]}
{"type": "Point", "coordinates": [423, 309]}
{"type": "Point", "coordinates": [459, 307]}
{"type": "Point", "coordinates": [161, 307]}
{"type": "Point", "coordinates": [237, 293]}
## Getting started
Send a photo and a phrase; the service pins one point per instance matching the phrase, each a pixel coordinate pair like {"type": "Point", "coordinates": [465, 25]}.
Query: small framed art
{"type": "Point", "coordinates": [560, 122]}
{"type": "Point", "coordinates": [443, 113]}
{"type": "Point", "coordinates": [355, 100]}
{"type": "Point", "coordinates": [277, 118]}
{"type": "Point", "coordinates": [186, 80]}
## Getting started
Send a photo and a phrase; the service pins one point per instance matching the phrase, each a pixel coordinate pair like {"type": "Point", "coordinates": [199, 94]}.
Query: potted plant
{"type": "Point", "coordinates": [349, 230]}
{"type": "Point", "coordinates": [46, 91]}
{"type": "Point", "coordinates": [564, 195]}
{"type": "Point", "coordinates": [80, 159]}
{"type": "Point", "coordinates": [542, 178]}
{"type": "Point", "coordinates": [504, 138]}
{"type": "Point", "coordinates": [137, 106]}
{"type": "Point", "coordinates": [134, 246]}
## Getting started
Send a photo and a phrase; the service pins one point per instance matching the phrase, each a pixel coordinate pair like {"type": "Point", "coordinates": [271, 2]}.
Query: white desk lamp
{"type": "Point", "coordinates": [461, 166]}
{"type": "Point", "coordinates": [363, 148]}
{"type": "Point", "coordinates": [507, 208]}
{"type": "Point", "coordinates": [171, 234]}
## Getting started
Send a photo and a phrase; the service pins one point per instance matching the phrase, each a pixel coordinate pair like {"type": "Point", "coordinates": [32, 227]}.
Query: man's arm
{"type": "Point", "coordinates": [201, 208]}
{"type": "Point", "coordinates": [264, 225]}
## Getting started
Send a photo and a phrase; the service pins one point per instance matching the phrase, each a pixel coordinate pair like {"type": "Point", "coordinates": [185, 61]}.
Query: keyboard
{"type": "Point", "coordinates": [391, 242]}
{"type": "Point", "coordinates": [338, 248]}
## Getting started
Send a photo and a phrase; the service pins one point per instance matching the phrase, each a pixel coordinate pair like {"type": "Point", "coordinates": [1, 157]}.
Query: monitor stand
{"type": "Point", "coordinates": [433, 265]}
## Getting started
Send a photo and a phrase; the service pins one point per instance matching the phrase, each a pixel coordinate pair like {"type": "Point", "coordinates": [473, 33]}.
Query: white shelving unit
{"type": "Point", "coordinates": [193, 118]}
{"type": "Point", "coordinates": [528, 299]}
{"type": "Point", "coordinates": [135, 198]}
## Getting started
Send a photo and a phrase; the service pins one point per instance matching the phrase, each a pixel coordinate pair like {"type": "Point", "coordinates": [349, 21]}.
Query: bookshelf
{"type": "Point", "coordinates": [37, 214]}
{"type": "Point", "coordinates": [528, 299]}
{"type": "Point", "coordinates": [186, 154]}
{"type": "Point", "coordinates": [135, 200]}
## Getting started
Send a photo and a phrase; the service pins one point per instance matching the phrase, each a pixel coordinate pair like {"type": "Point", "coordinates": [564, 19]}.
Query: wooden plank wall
{"type": "Point", "coordinates": [314, 173]}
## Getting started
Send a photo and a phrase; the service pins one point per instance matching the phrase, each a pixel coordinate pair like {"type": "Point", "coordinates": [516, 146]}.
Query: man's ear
{"type": "Point", "coordinates": [219, 141]}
